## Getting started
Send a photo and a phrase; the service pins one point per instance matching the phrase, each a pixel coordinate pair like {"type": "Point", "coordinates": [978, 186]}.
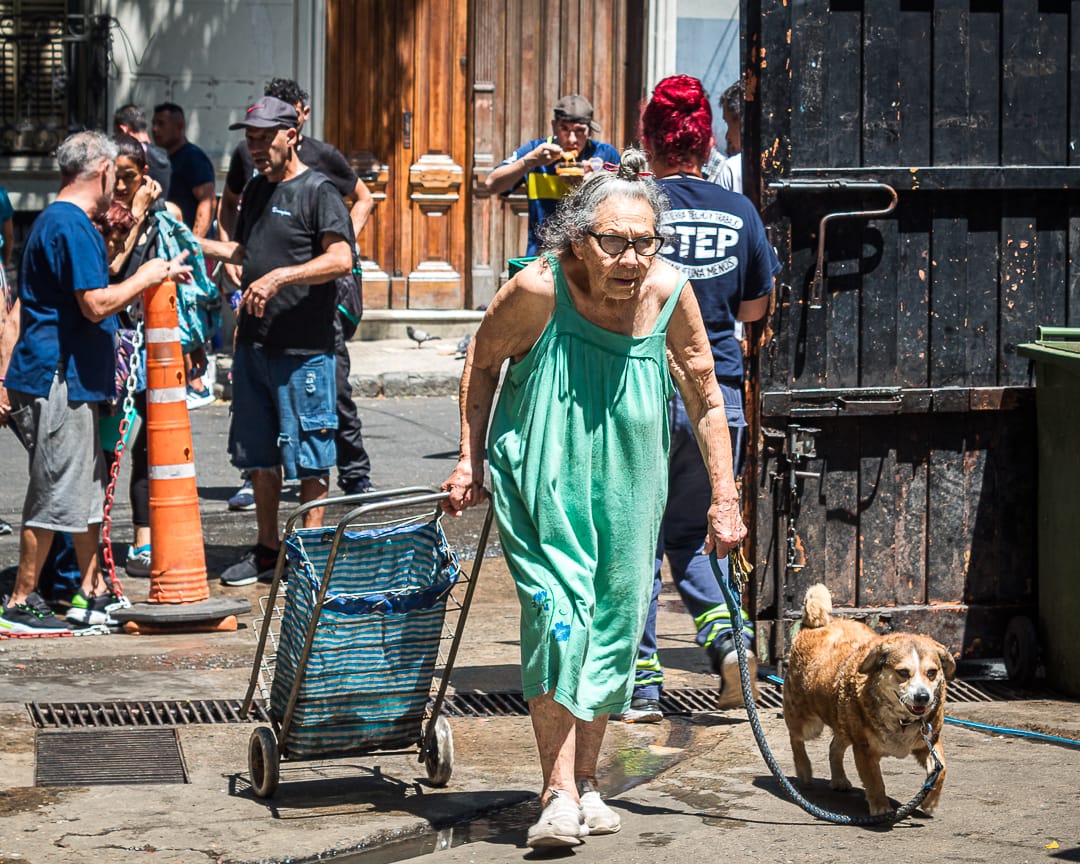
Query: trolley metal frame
{"type": "Point", "coordinates": [262, 748]}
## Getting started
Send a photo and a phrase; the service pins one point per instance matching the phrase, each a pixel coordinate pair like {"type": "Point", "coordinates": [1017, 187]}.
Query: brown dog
{"type": "Point", "coordinates": [874, 692]}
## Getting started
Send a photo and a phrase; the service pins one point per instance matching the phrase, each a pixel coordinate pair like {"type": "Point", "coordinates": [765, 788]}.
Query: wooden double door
{"type": "Point", "coordinates": [396, 91]}
{"type": "Point", "coordinates": [428, 96]}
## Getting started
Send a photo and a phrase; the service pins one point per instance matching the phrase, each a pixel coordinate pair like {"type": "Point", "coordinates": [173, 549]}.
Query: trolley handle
{"type": "Point", "coordinates": [368, 502]}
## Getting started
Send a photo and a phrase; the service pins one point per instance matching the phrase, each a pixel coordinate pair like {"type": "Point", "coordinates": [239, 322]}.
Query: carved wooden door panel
{"type": "Point", "coordinates": [396, 104]}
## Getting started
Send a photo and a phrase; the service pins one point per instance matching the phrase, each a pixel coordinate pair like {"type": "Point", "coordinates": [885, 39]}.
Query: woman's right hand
{"type": "Point", "coordinates": [145, 195]}
{"type": "Point", "coordinates": [466, 488]}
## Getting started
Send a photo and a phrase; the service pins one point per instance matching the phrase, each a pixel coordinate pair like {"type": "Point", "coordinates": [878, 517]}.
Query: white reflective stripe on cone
{"type": "Point", "coordinates": [172, 472]}
{"type": "Point", "coordinates": [158, 335]}
{"type": "Point", "coordinates": [167, 394]}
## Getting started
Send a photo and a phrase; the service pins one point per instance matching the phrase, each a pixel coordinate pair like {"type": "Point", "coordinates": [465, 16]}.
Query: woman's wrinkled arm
{"type": "Point", "coordinates": [691, 362]}
{"type": "Point", "coordinates": [514, 320]}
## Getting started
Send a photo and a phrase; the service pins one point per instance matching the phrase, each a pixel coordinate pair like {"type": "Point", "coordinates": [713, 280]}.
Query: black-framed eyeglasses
{"type": "Point", "coordinates": [615, 244]}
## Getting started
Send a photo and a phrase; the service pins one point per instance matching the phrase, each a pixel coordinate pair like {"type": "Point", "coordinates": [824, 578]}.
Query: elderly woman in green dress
{"type": "Point", "coordinates": [596, 331]}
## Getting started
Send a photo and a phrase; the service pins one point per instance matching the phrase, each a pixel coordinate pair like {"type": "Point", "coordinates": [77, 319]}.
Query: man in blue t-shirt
{"type": "Point", "coordinates": [191, 187]}
{"type": "Point", "coordinates": [61, 367]}
{"type": "Point", "coordinates": [549, 165]}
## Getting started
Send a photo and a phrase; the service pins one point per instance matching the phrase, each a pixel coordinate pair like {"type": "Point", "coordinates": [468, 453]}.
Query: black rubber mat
{"type": "Point", "coordinates": [107, 757]}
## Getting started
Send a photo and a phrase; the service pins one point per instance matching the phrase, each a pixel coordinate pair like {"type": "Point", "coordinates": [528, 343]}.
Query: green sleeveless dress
{"type": "Point", "coordinates": [578, 453]}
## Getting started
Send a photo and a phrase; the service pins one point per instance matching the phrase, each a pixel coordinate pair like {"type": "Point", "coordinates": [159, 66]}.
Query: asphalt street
{"type": "Point", "coordinates": [411, 441]}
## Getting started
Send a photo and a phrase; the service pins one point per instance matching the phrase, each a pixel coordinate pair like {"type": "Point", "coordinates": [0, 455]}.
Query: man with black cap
{"type": "Point", "coordinates": [548, 166]}
{"type": "Point", "coordinates": [294, 239]}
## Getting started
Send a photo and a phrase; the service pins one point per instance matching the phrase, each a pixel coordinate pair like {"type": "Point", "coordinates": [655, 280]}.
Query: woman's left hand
{"type": "Point", "coordinates": [726, 528]}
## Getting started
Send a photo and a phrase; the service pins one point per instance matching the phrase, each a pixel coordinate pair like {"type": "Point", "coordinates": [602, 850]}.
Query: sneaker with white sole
{"type": "Point", "coordinates": [560, 824]}
{"type": "Point", "coordinates": [257, 564]}
{"type": "Point", "coordinates": [94, 611]}
{"type": "Point", "coordinates": [243, 498]}
{"type": "Point", "coordinates": [34, 616]}
{"type": "Point", "coordinates": [138, 561]}
{"type": "Point", "coordinates": [600, 818]}
{"type": "Point", "coordinates": [198, 397]}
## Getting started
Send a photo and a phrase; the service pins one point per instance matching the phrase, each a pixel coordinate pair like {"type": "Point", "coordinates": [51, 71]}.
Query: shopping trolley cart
{"type": "Point", "coordinates": [354, 633]}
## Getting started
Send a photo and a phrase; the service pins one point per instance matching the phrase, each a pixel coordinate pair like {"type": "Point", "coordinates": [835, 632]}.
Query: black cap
{"type": "Point", "coordinates": [269, 113]}
{"type": "Point", "coordinates": [576, 109]}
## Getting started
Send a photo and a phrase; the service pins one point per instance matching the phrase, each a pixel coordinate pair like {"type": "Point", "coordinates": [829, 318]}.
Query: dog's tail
{"type": "Point", "coordinates": [816, 606]}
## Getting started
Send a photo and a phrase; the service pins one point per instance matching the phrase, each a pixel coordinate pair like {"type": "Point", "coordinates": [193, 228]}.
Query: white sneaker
{"type": "Point", "coordinates": [599, 818]}
{"type": "Point", "coordinates": [561, 823]}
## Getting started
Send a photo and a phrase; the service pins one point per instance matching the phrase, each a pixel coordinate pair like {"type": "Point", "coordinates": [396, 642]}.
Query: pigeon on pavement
{"type": "Point", "coordinates": [463, 347]}
{"type": "Point", "coordinates": [418, 336]}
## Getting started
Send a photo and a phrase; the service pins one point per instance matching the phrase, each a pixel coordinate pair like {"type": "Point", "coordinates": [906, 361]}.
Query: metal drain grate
{"type": "Point", "coordinates": [75, 715]}
{"type": "Point", "coordinates": [509, 703]}
{"type": "Point", "coordinates": [106, 757]}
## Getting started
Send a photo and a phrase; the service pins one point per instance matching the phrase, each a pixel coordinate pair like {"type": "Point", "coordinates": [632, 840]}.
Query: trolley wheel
{"type": "Point", "coordinates": [1021, 650]}
{"type": "Point", "coordinates": [439, 762]}
{"type": "Point", "coordinates": [263, 762]}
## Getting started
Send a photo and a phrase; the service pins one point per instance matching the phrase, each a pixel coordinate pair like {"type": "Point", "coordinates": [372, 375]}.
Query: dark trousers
{"type": "Point", "coordinates": [139, 487]}
{"type": "Point", "coordinates": [353, 461]}
{"type": "Point", "coordinates": [682, 537]}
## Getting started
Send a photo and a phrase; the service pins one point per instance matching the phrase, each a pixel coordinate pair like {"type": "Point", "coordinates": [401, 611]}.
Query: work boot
{"type": "Point", "coordinates": [725, 663]}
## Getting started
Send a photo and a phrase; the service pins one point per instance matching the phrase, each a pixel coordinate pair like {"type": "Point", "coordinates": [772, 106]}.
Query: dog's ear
{"type": "Point", "coordinates": [947, 662]}
{"type": "Point", "coordinates": [874, 659]}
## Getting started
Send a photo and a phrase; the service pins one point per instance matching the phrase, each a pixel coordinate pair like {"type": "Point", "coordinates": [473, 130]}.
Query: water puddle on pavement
{"type": "Point", "coordinates": [629, 767]}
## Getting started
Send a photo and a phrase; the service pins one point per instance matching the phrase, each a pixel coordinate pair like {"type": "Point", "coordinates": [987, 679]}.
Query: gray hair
{"type": "Point", "coordinates": [81, 154]}
{"type": "Point", "coordinates": [576, 214]}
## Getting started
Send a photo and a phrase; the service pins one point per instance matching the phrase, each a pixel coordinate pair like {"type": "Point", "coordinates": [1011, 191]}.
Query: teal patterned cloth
{"type": "Point", "coordinates": [368, 679]}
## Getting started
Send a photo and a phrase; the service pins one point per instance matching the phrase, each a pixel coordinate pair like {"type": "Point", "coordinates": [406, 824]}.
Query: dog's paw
{"type": "Point", "coordinates": [840, 784]}
{"type": "Point", "coordinates": [879, 807]}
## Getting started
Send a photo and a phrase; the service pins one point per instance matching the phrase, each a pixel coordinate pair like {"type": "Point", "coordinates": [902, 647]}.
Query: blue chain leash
{"type": "Point", "coordinates": [740, 570]}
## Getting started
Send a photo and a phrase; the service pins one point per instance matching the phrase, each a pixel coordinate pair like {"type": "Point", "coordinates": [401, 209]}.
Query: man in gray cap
{"type": "Point", "coordinates": [548, 166]}
{"type": "Point", "coordinates": [294, 238]}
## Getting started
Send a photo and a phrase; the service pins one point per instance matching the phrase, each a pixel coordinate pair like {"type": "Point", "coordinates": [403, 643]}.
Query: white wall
{"type": "Point", "coordinates": [212, 57]}
{"type": "Point", "coordinates": [699, 38]}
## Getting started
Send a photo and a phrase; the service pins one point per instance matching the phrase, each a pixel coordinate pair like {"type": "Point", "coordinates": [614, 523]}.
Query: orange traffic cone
{"type": "Point", "coordinates": [179, 595]}
{"type": "Point", "coordinates": [177, 562]}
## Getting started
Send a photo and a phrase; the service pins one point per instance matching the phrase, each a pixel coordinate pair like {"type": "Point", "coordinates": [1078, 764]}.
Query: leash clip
{"type": "Point", "coordinates": [739, 568]}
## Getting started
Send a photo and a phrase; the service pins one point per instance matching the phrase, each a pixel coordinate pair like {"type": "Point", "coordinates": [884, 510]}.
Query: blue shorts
{"type": "Point", "coordinates": [283, 412]}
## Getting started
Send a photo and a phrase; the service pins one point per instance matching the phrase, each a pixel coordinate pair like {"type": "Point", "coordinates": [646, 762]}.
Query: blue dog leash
{"type": "Point", "coordinates": [740, 570]}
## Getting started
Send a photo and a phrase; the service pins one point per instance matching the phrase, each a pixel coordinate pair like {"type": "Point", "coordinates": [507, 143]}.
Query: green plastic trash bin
{"type": "Point", "coordinates": [1057, 400]}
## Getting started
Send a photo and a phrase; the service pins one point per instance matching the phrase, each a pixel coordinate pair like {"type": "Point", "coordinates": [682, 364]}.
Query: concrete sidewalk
{"type": "Point", "coordinates": [400, 367]}
{"type": "Point", "coordinates": [388, 367]}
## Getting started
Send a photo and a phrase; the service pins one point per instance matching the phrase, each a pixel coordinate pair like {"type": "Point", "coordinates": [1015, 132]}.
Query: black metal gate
{"type": "Point", "coordinates": [915, 162]}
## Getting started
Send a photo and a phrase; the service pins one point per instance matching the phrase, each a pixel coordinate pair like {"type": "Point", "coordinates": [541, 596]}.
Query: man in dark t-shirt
{"type": "Point", "coordinates": [192, 184]}
{"type": "Point", "coordinates": [354, 464]}
{"type": "Point", "coordinates": [293, 239]}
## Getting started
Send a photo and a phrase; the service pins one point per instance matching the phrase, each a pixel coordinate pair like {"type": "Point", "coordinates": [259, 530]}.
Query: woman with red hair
{"type": "Point", "coordinates": [716, 239]}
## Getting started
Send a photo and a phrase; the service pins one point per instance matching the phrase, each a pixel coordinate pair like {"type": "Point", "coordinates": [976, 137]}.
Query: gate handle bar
{"type": "Point", "coordinates": [817, 288]}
